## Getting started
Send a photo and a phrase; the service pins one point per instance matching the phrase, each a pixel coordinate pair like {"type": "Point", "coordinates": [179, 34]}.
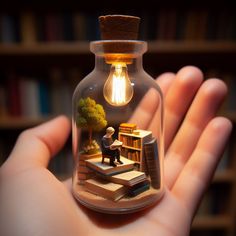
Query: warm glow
{"type": "Point", "coordinates": [118, 90]}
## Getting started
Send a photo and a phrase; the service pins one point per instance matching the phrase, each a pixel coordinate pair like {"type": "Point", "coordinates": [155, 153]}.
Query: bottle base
{"type": "Point", "coordinates": [123, 206]}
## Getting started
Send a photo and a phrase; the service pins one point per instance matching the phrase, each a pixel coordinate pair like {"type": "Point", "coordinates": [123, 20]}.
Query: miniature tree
{"type": "Point", "coordinates": [91, 116]}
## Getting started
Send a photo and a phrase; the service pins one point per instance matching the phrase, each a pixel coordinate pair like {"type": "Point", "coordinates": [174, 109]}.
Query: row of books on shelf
{"type": "Point", "coordinates": [130, 141]}
{"type": "Point", "coordinates": [131, 154]}
{"type": "Point", "coordinates": [162, 24]}
{"type": "Point", "coordinates": [29, 27]}
{"type": "Point", "coordinates": [51, 93]}
{"type": "Point", "coordinates": [33, 97]}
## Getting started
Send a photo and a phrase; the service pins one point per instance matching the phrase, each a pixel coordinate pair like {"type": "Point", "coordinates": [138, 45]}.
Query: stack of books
{"type": "Point", "coordinates": [83, 171]}
{"type": "Point", "coordinates": [115, 182]}
{"type": "Point", "coordinates": [127, 128]}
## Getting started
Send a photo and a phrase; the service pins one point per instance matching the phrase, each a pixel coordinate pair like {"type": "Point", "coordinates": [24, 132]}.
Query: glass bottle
{"type": "Point", "coordinates": [118, 101]}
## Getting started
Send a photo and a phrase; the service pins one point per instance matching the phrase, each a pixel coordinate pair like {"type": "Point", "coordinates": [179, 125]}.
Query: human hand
{"type": "Point", "coordinates": [34, 202]}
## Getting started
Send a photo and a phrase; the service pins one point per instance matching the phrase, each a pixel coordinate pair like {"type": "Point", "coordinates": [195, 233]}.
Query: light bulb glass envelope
{"type": "Point", "coordinates": [118, 90]}
{"type": "Point", "coordinates": [118, 154]}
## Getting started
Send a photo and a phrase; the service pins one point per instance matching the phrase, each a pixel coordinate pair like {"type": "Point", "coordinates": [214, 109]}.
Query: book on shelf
{"type": "Point", "coordinates": [61, 87]}
{"type": "Point", "coordinates": [44, 98]}
{"type": "Point", "coordinates": [127, 127]}
{"type": "Point", "coordinates": [3, 102]}
{"type": "Point", "coordinates": [29, 95]}
{"type": "Point", "coordinates": [191, 29]}
{"type": "Point", "coordinates": [105, 189]}
{"type": "Point", "coordinates": [130, 141]}
{"type": "Point", "coordinates": [131, 154]}
{"type": "Point", "coordinates": [9, 28]}
{"type": "Point", "coordinates": [230, 104]}
{"type": "Point", "coordinates": [212, 25]}
{"type": "Point", "coordinates": [28, 27]}
{"type": "Point", "coordinates": [104, 168]}
{"type": "Point", "coordinates": [79, 25]}
{"type": "Point", "coordinates": [53, 27]}
{"type": "Point", "coordinates": [68, 30]}
{"type": "Point", "coordinates": [152, 162]}
{"type": "Point", "coordinates": [13, 92]}
{"type": "Point", "coordinates": [129, 178]}
{"type": "Point", "coordinates": [166, 24]}
{"type": "Point", "coordinates": [92, 27]}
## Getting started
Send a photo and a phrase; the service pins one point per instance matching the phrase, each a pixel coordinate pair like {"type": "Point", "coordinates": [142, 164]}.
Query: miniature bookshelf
{"type": "Point", "coordinates": [132, 147]}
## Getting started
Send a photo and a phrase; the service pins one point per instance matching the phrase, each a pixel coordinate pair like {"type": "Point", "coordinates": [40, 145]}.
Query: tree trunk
{"type": "Point", "coordinates": [90, 136]}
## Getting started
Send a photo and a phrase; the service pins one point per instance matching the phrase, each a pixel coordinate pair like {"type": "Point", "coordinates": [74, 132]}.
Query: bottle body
{"type": "Point", "coordinates": [117, 129]}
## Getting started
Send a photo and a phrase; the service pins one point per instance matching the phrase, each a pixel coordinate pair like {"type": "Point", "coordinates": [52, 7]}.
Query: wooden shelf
{"type": "Point", "coordinates": [52, 48]}
{"type": "Point", "coordinates": [130, 147]}
{"type": "Point", "coordinates": [82, 47]}
{"type": "Point", "coordinates": [223, 176]}
{"type": "Point", "coordinates": [212, 222]}
{"type": "Point", "coordinates": [192, 47]}
{"type": "Point", "coordinates": [22, 122]}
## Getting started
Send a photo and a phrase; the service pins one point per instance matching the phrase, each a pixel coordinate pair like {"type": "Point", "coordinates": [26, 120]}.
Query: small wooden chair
{"type": "Point", "coordinates": [105, 156]}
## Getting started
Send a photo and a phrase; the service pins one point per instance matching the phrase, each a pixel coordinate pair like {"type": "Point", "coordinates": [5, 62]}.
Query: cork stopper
{"type": "Point", "coordinates": [119, 27]}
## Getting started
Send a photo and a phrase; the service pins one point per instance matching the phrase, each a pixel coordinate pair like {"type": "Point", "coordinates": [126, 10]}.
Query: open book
{"type": "Point", "coordinates": [116, 144]}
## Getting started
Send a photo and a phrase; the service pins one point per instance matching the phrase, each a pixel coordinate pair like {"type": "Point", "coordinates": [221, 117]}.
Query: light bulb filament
{"type": "Point", "coordinates": [118, 89]}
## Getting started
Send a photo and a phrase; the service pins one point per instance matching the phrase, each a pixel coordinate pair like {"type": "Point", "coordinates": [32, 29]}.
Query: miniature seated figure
{"type": "Point", "coordinates": [109, 148]}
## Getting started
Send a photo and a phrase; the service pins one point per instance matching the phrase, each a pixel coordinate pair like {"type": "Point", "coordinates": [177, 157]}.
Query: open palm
{"type": "Point", "coordinates": [34, 202]}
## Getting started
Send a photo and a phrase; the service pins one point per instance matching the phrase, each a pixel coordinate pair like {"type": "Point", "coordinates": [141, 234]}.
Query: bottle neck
{"type": "Point", "coordinates": [134, 65]}
{"type": "Point", "coordinates": [110, 52]}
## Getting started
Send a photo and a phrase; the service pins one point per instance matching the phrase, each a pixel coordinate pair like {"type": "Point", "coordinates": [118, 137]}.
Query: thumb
{"type": "Point", "coordinates": [35, 146]}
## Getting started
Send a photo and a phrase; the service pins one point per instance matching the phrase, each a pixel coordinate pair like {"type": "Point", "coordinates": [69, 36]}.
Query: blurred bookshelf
{"type": "Point", "coordinates": [44, 53]}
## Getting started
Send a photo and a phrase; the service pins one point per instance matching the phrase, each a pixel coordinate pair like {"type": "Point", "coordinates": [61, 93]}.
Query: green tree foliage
{"type": "Point", "coordinates": [90, 115]}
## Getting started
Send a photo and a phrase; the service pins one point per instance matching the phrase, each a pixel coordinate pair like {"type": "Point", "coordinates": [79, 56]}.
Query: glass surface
{"type": "Point", "coordinates": [118, 158]}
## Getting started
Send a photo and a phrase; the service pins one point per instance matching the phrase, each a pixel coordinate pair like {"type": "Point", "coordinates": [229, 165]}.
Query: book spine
{"type": "Point", "coordinates": [3, 102]}
{"type": "Point", "coordinates": [44, 99]}
{"type": "Point", "coordinates": [7, 29]}
{"type": "Point", "coordinates": [130, 141]}
{"type": "Point", "coordinates": [153, 164]}
{"type": "Point", "coordinates": [79, 26]}
{"type": "Point", "coordinates": [68, 27]}
{"type": "Point", "coordinates": [13, 89]}
{"type": "Point", "coordinates": [29, 97]}
{"type": "Point", "coordinates": [28, 28]}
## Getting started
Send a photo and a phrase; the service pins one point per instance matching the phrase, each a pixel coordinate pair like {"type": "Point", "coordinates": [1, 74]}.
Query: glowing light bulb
{"type": "Point", "coordinates": [118, 90]}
